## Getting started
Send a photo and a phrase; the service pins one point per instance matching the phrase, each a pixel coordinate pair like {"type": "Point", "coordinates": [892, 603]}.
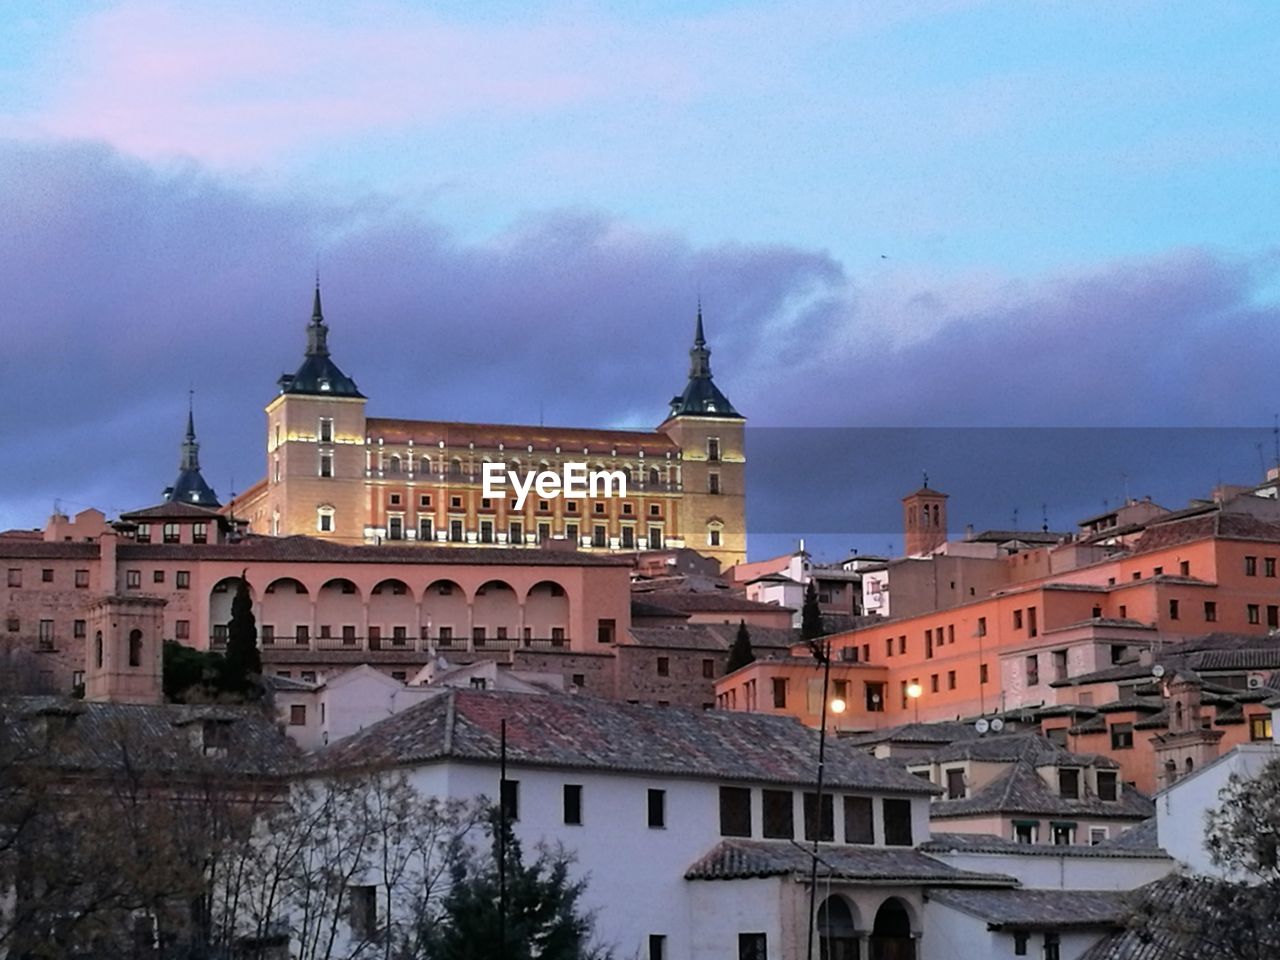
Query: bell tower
{"type": "Point", "coordinates": [924, 518]}
{"type": "Point", "coordinates": [711, 437]}
{"type": "Point", "coordinates": [124, 653]}
{"type": "Point", "coordinates": [316, 447]}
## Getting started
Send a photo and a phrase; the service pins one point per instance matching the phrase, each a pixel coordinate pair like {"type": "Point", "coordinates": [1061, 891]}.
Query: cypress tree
{"type": "Point", "coordinates": [243, 658]}
{"type": "Point", "coordinates": [741, 653]}
{"type": "Point", "coordinates": [811, 614]}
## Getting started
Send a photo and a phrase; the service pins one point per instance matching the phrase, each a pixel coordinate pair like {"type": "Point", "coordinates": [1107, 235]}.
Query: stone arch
{"type": "Point", "coordinates": [393, 614]}
{"type": "Point", "coordinates": [837, 929]}
{"type": "Point", "coordinates": [892, 933]}
{"type": "Point", "coordinates": [285, 611]}
{"type": "Point", "coordinates": [135, 648]}
{"type": "Point", "coordinates": [496, 611]}
{"type": "Point", "coordinates": [339, 611]}
{"type": "Point", "coordinates": [546, 612]}
{"type": "Point", "coordinates": [393, 464]}
{"type": "Point", "coordinates": [446, 616]}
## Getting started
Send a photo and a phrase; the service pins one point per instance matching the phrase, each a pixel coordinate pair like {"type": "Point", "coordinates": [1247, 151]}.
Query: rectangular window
{"type": "Point", "coordinates": [1121, 736]}
{"type": "Point", "coordinates": [181, 629]}
{"type": "Point", "coordinates": [713, 449]}
{"type": "Point", "coordinates": [664, 666]}
{"type": "Point", "coordinates": [858, 825]}
{"type": "Point", "coordinates": [1069, 784]}
{"type": "Point", "coordinates": [1097, 835]}
{"type": "Point", "coordinates": [713, 537]}
{"type": "Point", "coordinates": [1033, 628]}
{"type": "Point", "coordinates": [1269, 566]}
{"type": "Point", "coordinates": [515, 533]}
{"type": "Point", "coordinates": [1059, 664]}
{"type": "Point", "coordinates": [951, 679]}
{"type": "Point", "coordinates": [1250, 566]}
{"type": "Point", "coordinates": [1260, 728]}
{"type": "Point", "coordinates": [455, 531]}
{"type": "Point", "coordinates": [326, 464]}
{"type": "Point", "coordinates": [933, 683]}
{"type": "Point", "coordinates": [15, 576]}
{"type": "Point", "coordinates": [486, 531]}
{"type": "Point", "coordinates": [1273, 616]}
{"type": "Point", "coordinates": [182, 580]}
{"type": "Point", "coordinates": [955, 784]}
{"type": "Point", "coordinates": [888, 646]}
{"type": "Point", "coordinates": [46, 575]}
{"type": "Point", "coordinates": [298, 715]}
{"type": "Point", "coordinates": [46, 634]}
{"type": "Point", "coordinates": [1108, 785]}
{"type": "Point", "coordinates": [573, 804]}
{"type": "Point", "coordinates": [171, 533]}
{"type": "Point", "coordinates": [655, 538]}
{"type": "Point", "coordinates": [982, 626]}
{"type": "Point", "coordinates": [811, 816]}
{"type": "Point", "coordinates": [157, 576]}
{"type": "Point", "coordinates": [780, 693]}
{"type": "Point", "coordinates": [708, 669]}
{"type": "Point", "coordinates": [1210, 611]}
{"type": "Point", "coordinates": [426, 529]}
{"type": "Point", "coordinates": [779, 815]}
{"type": "Point", "coordinates": [1033, 670]}
{"type": "Point", "coordinates": [1173, 609]}
{"type": "Point", "coordinates": [897, 823]}
{"type": "Point", "coordinates": [1052, 946]}
{"type": "Point", "coordinates": [510, 792]}
{"type": "Point", "coordinates": [982, 673]}
{"type": "Point", "coordinates": [1017, 619]}
{"type": "Point", "coordinates": [199, 533]}
{"type": "Point", "coordinates": [1253, 612]}
{"type": "Point", "coordinates": [143, 533]}
{"type": "Point", "coordinates": [753, 946]}
{"type": "Point", "coordinates": [657, 805]}
{"type": "Point", "coordinates": [713, 483]}
{"type": "Point", "coordinates": [326, 430]}
{"type": "Point", "coordinates": [599, 536]}
{"type": "Point", "coordinates": [132, 579]}
{"type": "Point", "coordinates": [628, 538]}
{"type": "Point", "coordinates": [735, 812]}
{"type": "Point", "coordinates": [79, 629]}
{"type": "Point", "coordinates": [1020, 940]}
{"type": "Point", "coordinates": [657, 947]}
{"type": "Point", "coordinates": [1026, 831]}
{"type": "Point", "coordinates": [606, 631]}
{"type": "Point", "coordinates": [82, 579]}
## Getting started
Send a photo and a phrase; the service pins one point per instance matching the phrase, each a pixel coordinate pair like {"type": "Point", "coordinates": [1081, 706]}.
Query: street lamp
{"type": "Point", "coordinates": [913, 692]}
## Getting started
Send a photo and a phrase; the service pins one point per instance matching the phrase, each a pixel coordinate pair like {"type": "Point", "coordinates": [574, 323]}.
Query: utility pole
{"type": "Point", "coordinates": [822, 651]}
{"type": "Point", "coordinates": [502, 841]}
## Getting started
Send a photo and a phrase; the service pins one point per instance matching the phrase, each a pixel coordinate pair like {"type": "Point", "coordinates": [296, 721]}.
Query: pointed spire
{"type": "Point", "coordinates": [190, 448]}
{"type": "Point", "coordinates": [191, 420]}
{"type": "Point", "coordinates": [699, 356]}
{"type": "Point", "coordinates": [698, 339]}
{"type": "Point", "coordinates": [317, 329]}
{"type": "Point", "coordinates": [190, 486]}
{"type": "Point", "coordinates": [701, 397]}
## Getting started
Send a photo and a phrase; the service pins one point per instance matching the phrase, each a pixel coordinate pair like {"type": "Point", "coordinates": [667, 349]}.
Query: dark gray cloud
{"type": "Point", "coordinates": [122, 285]}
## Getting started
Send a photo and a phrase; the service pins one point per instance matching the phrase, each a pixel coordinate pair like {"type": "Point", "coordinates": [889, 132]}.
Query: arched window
{"type": "Point", "coordinates": [837, 935]}
{"type": "Point", "coordinates": [324, 519]}
{"type": "Point", "coordinates": [715, 531]}
{"type": "Point", "coordinates": [1177, 713]}
{"type": "Point", "coordinates": [1190, 765]}
{"type": "Point", "coordinates": [394, 465]}
{"type": "Point", "coordinates": [97, 649]}
{"type": "Point", "coordinates": [135, 648]}
{"type": "Point", "coordinates": [655, 477]}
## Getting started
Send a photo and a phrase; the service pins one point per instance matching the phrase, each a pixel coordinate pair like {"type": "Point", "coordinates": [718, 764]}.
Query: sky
{"type": "Point", "coordinates": [928, 214]}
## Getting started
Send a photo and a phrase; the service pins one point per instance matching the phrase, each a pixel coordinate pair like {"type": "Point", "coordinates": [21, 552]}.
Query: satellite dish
{"type": "Point", "coordinates": [997, 725]}
{"type": "Point", "coordinates": [982, 726]}
{"type": "Point", "coordinates": [1157, 671]}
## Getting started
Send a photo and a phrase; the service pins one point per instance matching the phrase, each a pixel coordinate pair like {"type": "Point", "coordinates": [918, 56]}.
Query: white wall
{"type": "Point", "coordinates": [1181, 808]}
{"type": "Point", "coordinates": [1049, 872]}
{"type": "Point", "coordinates": [951, 934]}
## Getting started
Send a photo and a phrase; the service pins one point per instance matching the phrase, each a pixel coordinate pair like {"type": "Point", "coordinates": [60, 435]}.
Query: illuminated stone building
{"type": "Point", "coordinates": [336, 473]}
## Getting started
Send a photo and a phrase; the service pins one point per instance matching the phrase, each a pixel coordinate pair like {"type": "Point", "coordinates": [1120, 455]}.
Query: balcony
{"type": "Point", "coordinates": [382, 644]}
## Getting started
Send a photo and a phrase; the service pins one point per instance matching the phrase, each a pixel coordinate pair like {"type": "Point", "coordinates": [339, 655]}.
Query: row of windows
{"type": "Point", "coordinates": [133, 579]}
{"type": "Point", "coordinates": [778, 808]}
{"type": "Point", "coordinates": [1251, 566]}
{"type": "Point", "coordinates": [708, 668]}
{"type": "Point", "coordinates": [47, 575]}
{"type": "Point", "coordinates": [171, 533]}
{"type": "Point", "coordinates": [543, 506]}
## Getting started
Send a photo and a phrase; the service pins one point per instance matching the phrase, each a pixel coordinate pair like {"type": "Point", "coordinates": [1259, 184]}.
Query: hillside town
{"type": "Point", "coordinates": [360, 709]}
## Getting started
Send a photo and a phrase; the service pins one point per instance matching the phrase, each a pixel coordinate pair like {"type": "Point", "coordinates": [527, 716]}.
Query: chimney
{"type": "Point", "coordinates": [107, 583]}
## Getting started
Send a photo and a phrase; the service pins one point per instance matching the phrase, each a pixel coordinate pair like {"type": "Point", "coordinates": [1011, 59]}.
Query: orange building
{"type": "Point", "coordinates": [1061, 614]}
{"type": "Point", "coordinates": [335, 473]}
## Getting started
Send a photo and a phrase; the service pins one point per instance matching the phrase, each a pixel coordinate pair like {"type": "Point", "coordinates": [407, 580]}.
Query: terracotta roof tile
{"type": "Point", "coordinates": [1039, 909]}
{"type": "Point", "coordinates": [517, 438]}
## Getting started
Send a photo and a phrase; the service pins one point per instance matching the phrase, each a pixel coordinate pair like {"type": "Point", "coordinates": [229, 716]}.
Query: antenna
{"type": "Point", "coordinates": [1124, 478]}
{"type": "Point", "coordinates": [1275, 435]}
{"type": "Point", "coordinates": [1015, 518]}
{"type": "Point", "coordinates": [1044, 518]}
{"type": "Point", "coordinates": [1262, 461]}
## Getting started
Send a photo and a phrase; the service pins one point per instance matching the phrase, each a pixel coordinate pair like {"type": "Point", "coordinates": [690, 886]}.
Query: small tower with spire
{"type": "Point", "coordinates": [190, 487]}
{"type": "Point", "coordinates": [711, 467]}
{"type": "Point", "coordinates": [924, 520]}
{"type": "Point", "coordinates": [315, 446]}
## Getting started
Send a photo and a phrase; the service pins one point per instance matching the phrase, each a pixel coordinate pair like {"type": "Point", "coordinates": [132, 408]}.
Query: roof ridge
{"type": "Point", "coordinates": [449, 717]}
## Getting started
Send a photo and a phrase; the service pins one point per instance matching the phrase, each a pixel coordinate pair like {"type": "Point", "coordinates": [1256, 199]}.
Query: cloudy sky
{"type": "Point", "coordinates": [937, 213]}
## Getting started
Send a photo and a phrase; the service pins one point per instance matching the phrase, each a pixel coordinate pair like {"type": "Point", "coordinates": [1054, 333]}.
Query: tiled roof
{"type": "Point", "coordinates": [1026, 536]}
{"type": "Point", "coordinates": [91, 737]}
{"type": "Point", "coordinates": [1180, 896]}
{"type": "Point", "coordinates": [1021, 790]}
{"type": "Point", "coordinates": [710, 602]}
{"type": "Point", "coordinates": [173, 510]}
{"type": "Point", "coordinates": [746, 859]}
{"type": "Point", "coordinates": [643, 608]}
{"type": "Point", "coordinates": [1006, 748]}
{"type": "Point", "coordinates": [1038, 909]}
{"type": "Point", "coordinates": [1142, 836]}
{"type": "Point", "coordinates": [516, 439]}
{"type": "Point", "coordinates": [299, 549]}
{"type": "Point", "coordinates": [1001, 846]}
{"type": "Point", "coordinates": [1097, 724]}
{"type": "Point", "coordinates": [15, 548]}
{"type": "Point", "coordinates": [767, 641]}
{"type": "Point", "coordinates": [691, 637]}
{"type": "Point", "coordinates": [942, 732]}
{"type": "Point", "coordinates": [582, 732]}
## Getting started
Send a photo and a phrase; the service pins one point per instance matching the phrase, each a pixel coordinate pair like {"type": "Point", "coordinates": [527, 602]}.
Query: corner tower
{"type": "Point", "coordinates": [710, 434]}
{"type": "Point", "coordinates": [190, 487]}
{"type": "Point", "coordinates": [315, 446]}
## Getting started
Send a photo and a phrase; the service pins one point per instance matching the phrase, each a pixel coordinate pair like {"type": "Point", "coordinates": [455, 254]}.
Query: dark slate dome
{"type": "Point", "coordinates": [318, 373]}
{"type": "Point", "coordinates": [701, 397]}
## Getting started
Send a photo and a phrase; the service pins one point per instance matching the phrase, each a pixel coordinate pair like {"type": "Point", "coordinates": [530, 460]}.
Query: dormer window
{"type": "Point", "coordinates": [1108, 785]}
{"type": "Point", "coordinates": [1069, 783]}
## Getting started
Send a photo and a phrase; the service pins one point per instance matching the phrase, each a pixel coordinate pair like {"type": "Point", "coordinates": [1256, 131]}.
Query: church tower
{"type": "Point", "coordinates": [316, 446]}
{"type": "Point", "coordinates": [190, 487]}
{"type": "Point", "coordinates": [124, 653]}
{"type": "Point", "coordinates": [710, 434]}
{"type": "Point", "coordinates": [924, 517]}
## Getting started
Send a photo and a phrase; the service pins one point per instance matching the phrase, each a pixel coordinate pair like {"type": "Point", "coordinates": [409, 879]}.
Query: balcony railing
{"type": "Point", "coordinates": [383, 644]}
